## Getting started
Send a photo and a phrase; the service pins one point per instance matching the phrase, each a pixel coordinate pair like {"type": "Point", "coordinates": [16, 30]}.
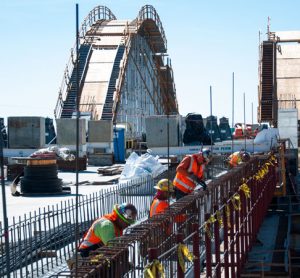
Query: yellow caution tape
{"type": "Point", "coordinates": [184, 253]}
{"type": "Point", "coordinates": [259, 175]}
{"type": "Point", "coordinates": [266, 168]}
{"type": "Point", "coordinates": [212, 219]}
{"type": "Point", "coordinates": [273, 158]}
{"type": "Point", "coordinates": [96, 259]}
{"type": "Point", "coordinates": [219, 218]}
{"type": "Point", "coordinates": [227, 211]}
{"type": "Point", "coordinates": [236, 201]}
{"type": "Point", "coordinates": [269, 163]}
{"type": "Point", "coordinates": [263, 170]}
{"type": "Point", "coordinates": [207, 229]}
{"type": "Point", "coordinates": [152, 269]}
{"type": "Point", "coordinates": [245, 188]}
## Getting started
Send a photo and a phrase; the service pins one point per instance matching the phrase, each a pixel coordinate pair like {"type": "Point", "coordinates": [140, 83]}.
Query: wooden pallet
{"type": "Point", "coordinates": [110, 170]}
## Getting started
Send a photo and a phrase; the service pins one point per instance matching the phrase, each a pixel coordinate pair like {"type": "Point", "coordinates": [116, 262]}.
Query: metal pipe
{"type": "Point", "coordinates": [225, 228]}
{"type": "Point", "coordinates": [231, 235]}
{"type": "Point", "coordinates": [153, 255]}
{"type": "Point", "coordinates": [217, 246]}
{"type": "Point", "coordinates": [232, 115]}
{"type": "Point", "coordinates": [5, 220]}
{"type": "Point", "coordinates": [245, 129]}
{"type": "Point", "coordinates": [77, 140]}
{"type": "Point", "coordinates": [237, 241]}
{"type": "Point", "coordinates": [180, 273]}
{"type": "Point", "coordinates": [208, 253]}
{"type": "Point", "coordinates": [196, 251]}
{"type": "Point", "coordinates": [252, 125]}
{"type": "Point", "coordinates": [211, 130]}
{"type": "Point", "coordinates": [168, 129]}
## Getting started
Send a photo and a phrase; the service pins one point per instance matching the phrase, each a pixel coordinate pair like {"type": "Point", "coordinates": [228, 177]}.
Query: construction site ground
{"type": "Point", "coordinates": [89, 181]}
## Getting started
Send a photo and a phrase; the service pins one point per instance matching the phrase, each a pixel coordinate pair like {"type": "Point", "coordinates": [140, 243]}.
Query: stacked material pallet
{"type": "Point", "coordinates": [64, 165]}
{"type": "Point", "coordinates": [110, 170]}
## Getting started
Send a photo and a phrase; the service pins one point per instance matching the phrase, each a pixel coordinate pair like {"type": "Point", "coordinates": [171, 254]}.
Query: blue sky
{"type": "Point", "coordinates": [207, 42]}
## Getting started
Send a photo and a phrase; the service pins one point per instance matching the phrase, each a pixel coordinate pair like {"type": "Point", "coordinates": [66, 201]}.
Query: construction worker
{"type": "Point", "coordinates": [108, 227]}
{"type": "Point", "coordinates": [190, 172]}
{"type": "Point", "coordinates": [161, 199]}
{"type": "Point", "coordinates": [237, 158]}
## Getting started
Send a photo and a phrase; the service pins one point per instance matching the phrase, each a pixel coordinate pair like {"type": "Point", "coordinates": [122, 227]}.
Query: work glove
{"type": "Point", "coordinates": [194, 178]}
{"type": "Point", "coordinates": [202, 183]}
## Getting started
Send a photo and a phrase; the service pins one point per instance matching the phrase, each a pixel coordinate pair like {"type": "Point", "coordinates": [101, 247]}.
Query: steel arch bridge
{"type": "Point", "coordinates": [122, 72]}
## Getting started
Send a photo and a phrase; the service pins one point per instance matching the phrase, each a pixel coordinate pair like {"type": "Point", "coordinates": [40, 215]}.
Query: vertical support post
{"type": "Point", "coordinates": [196, 251]}
{"type": "Point", "coordinates": [232, 116]}
{"type": "Point", "coordinates": [208, 250]}
{"type": "Point", "coordinates": [243, 222]}
{"type": "Point", "coordinates": [231, 232]}
{"type": "Point", "coordinates": [168, 128]}
{"type": "Point", "coordinates": [211, 119]}
{"type": "Point", "coordinates": [249, 219]}
{"type": "Point", "coordinates": [5, 220]}
{"type": "Point", "coordinates": [226, 249]}
{"type": "Point", "coordinates": [180, 273]}
{"type": "Point", "coordinates": [238, 236]}
{"type": "Point", "coordinates": [245, 128]}
{"type": "Point", "coordinates": [253, 210]}
{"type": "Point", "coordinates": [252, 125]}
{"type": "Point", "coordinates": [77, 138]}
{"type": "Point", "coordinates": [217, 246]}
{"type": "Point", "coordinates": [153, 255]}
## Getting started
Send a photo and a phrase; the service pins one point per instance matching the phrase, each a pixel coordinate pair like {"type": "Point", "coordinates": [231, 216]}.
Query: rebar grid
{"type": "Point", "coordinates": [44, 240]}
{"type": "Point", "coordinates": [223, 226]}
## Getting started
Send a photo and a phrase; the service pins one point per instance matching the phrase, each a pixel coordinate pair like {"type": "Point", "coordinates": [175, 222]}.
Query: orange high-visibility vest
{"type": "Point", "coordinates": [158, 206]}
{"type": "Point", "coordinates": [186, 184]}
{"type": "Point", "coordinates": [90, 238]}
{"type": "Point", "coordinates": [235, 159]}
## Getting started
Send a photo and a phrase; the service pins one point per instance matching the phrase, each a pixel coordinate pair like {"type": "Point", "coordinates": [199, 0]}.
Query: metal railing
{"type": "Point", "coordinates": [66, 84]}
{"type": "Point", "coordinates": [98, 13]}
{"type": "Point", "coordinates": [43, 240]}
{"type": "Point", "coordinates": [149, 12]}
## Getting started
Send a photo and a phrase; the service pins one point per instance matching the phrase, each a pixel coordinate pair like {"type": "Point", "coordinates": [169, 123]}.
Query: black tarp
{"type": "Point", "coordinates": [195, 132]}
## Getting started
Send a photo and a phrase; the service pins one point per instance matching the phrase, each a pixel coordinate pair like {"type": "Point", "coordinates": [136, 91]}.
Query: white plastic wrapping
{"type": "Point", "coordinates": [144, 165]}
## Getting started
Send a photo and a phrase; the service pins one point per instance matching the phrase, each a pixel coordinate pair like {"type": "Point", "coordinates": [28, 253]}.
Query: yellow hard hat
{"type": "Point", "coordinates": [165, 185]}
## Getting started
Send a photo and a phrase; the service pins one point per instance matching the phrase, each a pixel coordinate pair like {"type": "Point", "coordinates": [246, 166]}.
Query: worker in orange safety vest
{"type": "Point", "coordinates": [107, 228]}
{"type": "Point", "coordinates": [161, 199]}
{"type": "Point", "coordinates": [190, 172]}
{"type": "Point", "coordinates": [237, 158]}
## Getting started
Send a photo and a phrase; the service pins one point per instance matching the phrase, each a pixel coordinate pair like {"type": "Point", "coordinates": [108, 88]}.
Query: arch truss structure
{"type": "Point", "coordinates": [121, 70]}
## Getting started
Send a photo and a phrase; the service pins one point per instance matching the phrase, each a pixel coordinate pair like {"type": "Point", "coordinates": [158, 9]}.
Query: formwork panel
{"type": "Point", "coordinates": [93, 93]}
{"type": "Point", "coordinates": [103, 55]}
{"type": "Point", "coordinates": [66, 131]}
{"type": "Point", "coordinates": [288, 35]}
{"type": "Point", "coordinates": [157, 131]}
{"type": "Point", "coordinates": [99, 72]}
{"type": "Point", "coordinates": [26, 132]}
{"type": "Point", "coordinates": [288, 51]}
{"type": "Point", "coordinates": [108, 41]}
{"type": "Point", "coordinates": [288, 125]}
{"type": "Point", "coordinates": [288, 68]}
{"type": "Point", "coordinates": [288, 86]}
{"type": "Point", "coordinates": [100, 131]}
